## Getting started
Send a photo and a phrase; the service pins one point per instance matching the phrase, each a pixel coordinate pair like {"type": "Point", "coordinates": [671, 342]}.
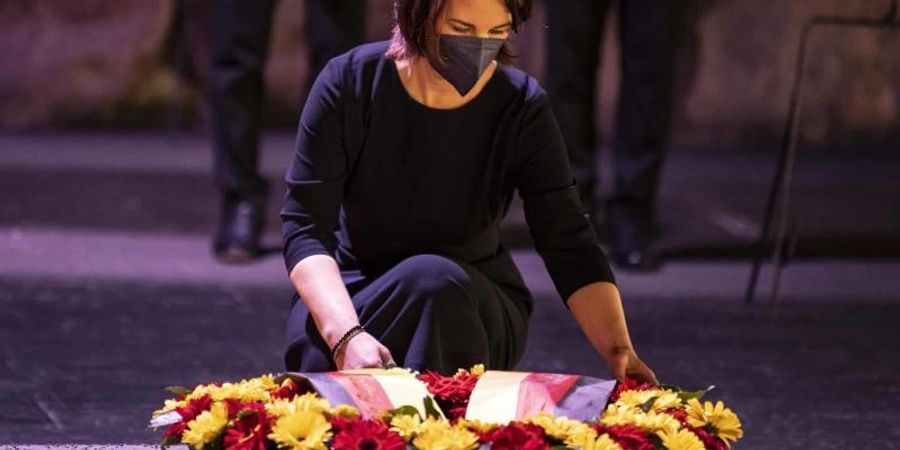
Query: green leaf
{"type": "Point", "coordinates": [671, 387]}
{"type": "Point", "coordinates": [646, 406]}
{"type": "Point", "coordinates": [656, 441]}
{"type": "Point", "coordinates": [686, 395]}
{"type": "Point", "coordinates": [178, 390]}
{"type": "Point", "coordinates": [405, 410]}
{"type": "Point", "coordinates": [218, 442]}
{"type": "Point", "coordinates": [169, 441]}
{"type": "Point", "coordinates": [430, 409]}
{"type": "Point", "coordinates": [555, 443]}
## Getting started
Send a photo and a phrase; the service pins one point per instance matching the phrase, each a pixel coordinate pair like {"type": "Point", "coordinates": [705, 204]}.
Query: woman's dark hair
{"type": "Point", "coordinates": [414, 32]}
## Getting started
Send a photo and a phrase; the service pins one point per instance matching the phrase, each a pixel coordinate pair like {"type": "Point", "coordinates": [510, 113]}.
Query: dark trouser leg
{"type": "Point", "coordinates": [332, 27]}
{"type": "Point", "coordinates": [239, 41]}
{"type": "Point", "coordinates": [575, 28]}
{"type": "Point", "coordinates": [646, 34]}
{"type": "Point", "coordinates": [432, 313]}
{"type": "Point", "coordinates": [240, 35]}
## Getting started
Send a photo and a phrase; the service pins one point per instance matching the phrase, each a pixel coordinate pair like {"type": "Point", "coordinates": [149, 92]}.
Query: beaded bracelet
{"type": "Point", "coordinates": [346, 338]}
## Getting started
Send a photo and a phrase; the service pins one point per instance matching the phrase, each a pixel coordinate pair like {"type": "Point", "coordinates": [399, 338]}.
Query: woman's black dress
{"type": "Point", "coordinates": [408, 200]}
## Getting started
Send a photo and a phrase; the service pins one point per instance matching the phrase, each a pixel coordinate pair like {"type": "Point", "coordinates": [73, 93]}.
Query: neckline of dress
{"type": "Point", "coordinates": [396, 75]}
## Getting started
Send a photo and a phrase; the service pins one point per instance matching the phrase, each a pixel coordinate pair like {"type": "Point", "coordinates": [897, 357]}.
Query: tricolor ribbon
{"type": "Point", "coordinates": [371, 391]}
{"type": "Point", "coordinates": [498, 397]}
{"type": "Point", "coordinates": [501, 397]}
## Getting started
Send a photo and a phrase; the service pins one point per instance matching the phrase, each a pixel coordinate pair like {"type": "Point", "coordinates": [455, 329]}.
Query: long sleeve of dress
{"type": "Point", "coordinates": [558, 222]}
{"type": "Point", "coordinates": [316, 175]}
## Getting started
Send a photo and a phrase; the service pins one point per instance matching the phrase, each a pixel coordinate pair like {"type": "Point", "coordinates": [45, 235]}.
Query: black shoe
{"type": "Point", "coordinates": [637, 260]}
{"type": "Point", "coordinates": [240, 228]}
{"type": "Point", "coordinates": [632, 248]}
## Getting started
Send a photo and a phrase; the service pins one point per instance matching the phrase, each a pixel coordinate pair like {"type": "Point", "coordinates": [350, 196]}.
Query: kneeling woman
{"type": "Point", "coordinates": [407, 157]}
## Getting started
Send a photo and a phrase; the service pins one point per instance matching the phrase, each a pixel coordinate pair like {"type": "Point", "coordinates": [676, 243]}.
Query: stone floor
{"type": "Point", "coordinates": [108, 295]}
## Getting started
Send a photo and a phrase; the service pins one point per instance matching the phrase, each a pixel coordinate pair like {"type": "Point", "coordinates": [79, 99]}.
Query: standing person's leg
{"type": "Point", "coordinates": [332, 27]}
{"type": "Point", "coordinates": [239, 41]}
{"type": "Point", "coordinates": [646, 30]}
{"type": "Point", "coordinates": [574, 32]}
{"type": "Point", "coordinates": [432, 313]}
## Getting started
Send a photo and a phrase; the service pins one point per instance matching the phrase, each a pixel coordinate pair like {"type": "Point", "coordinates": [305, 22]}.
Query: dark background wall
{"type": "Point", "coordinates": [107, 63]}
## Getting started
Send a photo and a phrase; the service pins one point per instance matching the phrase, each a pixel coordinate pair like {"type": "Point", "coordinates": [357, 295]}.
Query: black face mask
{"type": "Point", "coordinates": [465, 59]}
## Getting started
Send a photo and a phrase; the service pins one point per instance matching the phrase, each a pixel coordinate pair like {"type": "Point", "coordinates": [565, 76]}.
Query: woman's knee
{"type": "Point", "coordinates": [435, 276]}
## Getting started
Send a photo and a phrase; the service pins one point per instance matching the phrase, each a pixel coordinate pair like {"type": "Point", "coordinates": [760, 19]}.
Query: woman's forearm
{"type": "Point", "coordinates": [317, 279]}
{"type": "Point", "coordinates": [598, 310]}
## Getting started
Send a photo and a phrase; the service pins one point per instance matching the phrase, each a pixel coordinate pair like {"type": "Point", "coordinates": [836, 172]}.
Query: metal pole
{"type": "Point", "coordinates": [778, 201]}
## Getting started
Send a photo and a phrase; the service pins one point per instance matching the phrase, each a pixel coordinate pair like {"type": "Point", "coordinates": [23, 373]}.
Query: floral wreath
{"type": "Point", "coordinates": [262, 414]}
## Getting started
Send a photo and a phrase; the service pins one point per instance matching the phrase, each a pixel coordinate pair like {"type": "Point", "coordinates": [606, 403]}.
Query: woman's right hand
{"type": "Point", "coordinates": [363, 351]}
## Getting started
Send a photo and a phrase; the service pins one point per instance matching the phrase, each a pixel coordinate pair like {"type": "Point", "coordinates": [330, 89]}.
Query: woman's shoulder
{"type": "Point", "coordinates": [519, 83]}
{"type": "Point", "coordinates": [360, 59]}
{"type": "Point", "coordinates": [356, 72]}
{"type": "Point", "coordinates": [369, 52]}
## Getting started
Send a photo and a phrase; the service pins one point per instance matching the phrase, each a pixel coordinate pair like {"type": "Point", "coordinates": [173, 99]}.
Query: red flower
{"type": "Point", "coordinates": [233, 406]}
{"type": "Point", "coordinates": [629, 437]}
{"type": "Point", "coordinates": [679, 415]}
{"type": "Point", "coordinates": [629, 384]}
{"type": "Point", "coordinates": [339, 423]}
{"type": "Point", "coordinates": [250, 429]}
{"type": "Point", "coordinates": [188, 412]}
{"type": "Point", "coordinates": [517, 435]}
{"type": "Point", "coordinates": [288, 390]}
{"type": "Point", "coordinates": [358, 434]}
{"type": "Point", "coordinates": [453, 389]}
{"type": "Point", "coordinates": [175, 430]}
{"type": "Point", "coordinates": [451, 393]}
{"type": "Point", "coordinates": [709, 441]}
{"type": "Point", "coordinates": [455, 411]}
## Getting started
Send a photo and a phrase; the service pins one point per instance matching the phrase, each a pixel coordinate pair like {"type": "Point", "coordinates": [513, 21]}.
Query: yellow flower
{"type": "Point", "coordinates": [407, 425]}
{"type": "Point", "coordinates": [400, 371]}
{"type": "Point", "coordinates": [198, 392]}
{"type": "Point", "coordinates": [651, 422]}
{"type": "Point", "coordinates": [279, 408]}
{"type": "Point", "coordinates": [169, 405]}
{"type": "Point", "coordinates": [681, 440]}
{"type": "Point", "coordinates": [478, 426]}
{"type": "Point", "coordinates": [306, 402]}
{"type": "Point", "coordinates": [562, 428]}
{"type": "Point", "coordinates": [593, 442]}
{"type": "Point", "coordinates": [301, 430]}
{"type": "Point", "coordinates": [246, 390]}
{"type": "Point", "coordinates": [311, 402]}
{"type": "Point", "coordinates": [268, 382]}
{"type": "Point", "coordinates": [662, 399]}
{"type": "Point", "coordinates": [345, 411]}
{"type": "Point", "coordinates": [603, 442]}
{"type": "Point", "coordinates": [254, 389]}
{"type": "Point", "coordinates": [437, 434]}
{"type": "Point", "coordinates": [477, 369]}
{"type": "Point", "coordinates": [726, 423]}
{"type": "Point", "coordinates": [667, 400]}
{"type": "Point", "coordinates": [617, 414]}
{"type": "Point", "coordinates": [635, 399]}
{"type": "Point", "coordinates": [206, 426]}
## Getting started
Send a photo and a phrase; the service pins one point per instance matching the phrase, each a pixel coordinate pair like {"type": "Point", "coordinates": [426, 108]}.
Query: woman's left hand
{"type": "Point", "coordinates": [624, 363]}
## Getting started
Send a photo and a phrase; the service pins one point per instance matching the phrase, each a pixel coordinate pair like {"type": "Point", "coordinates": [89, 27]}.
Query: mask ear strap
{"type": "Point", "coordinates": [436, 40]}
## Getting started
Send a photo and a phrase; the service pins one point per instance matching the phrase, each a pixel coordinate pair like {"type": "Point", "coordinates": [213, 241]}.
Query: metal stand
{"type": "Point", "coordinates": [778, 205]}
